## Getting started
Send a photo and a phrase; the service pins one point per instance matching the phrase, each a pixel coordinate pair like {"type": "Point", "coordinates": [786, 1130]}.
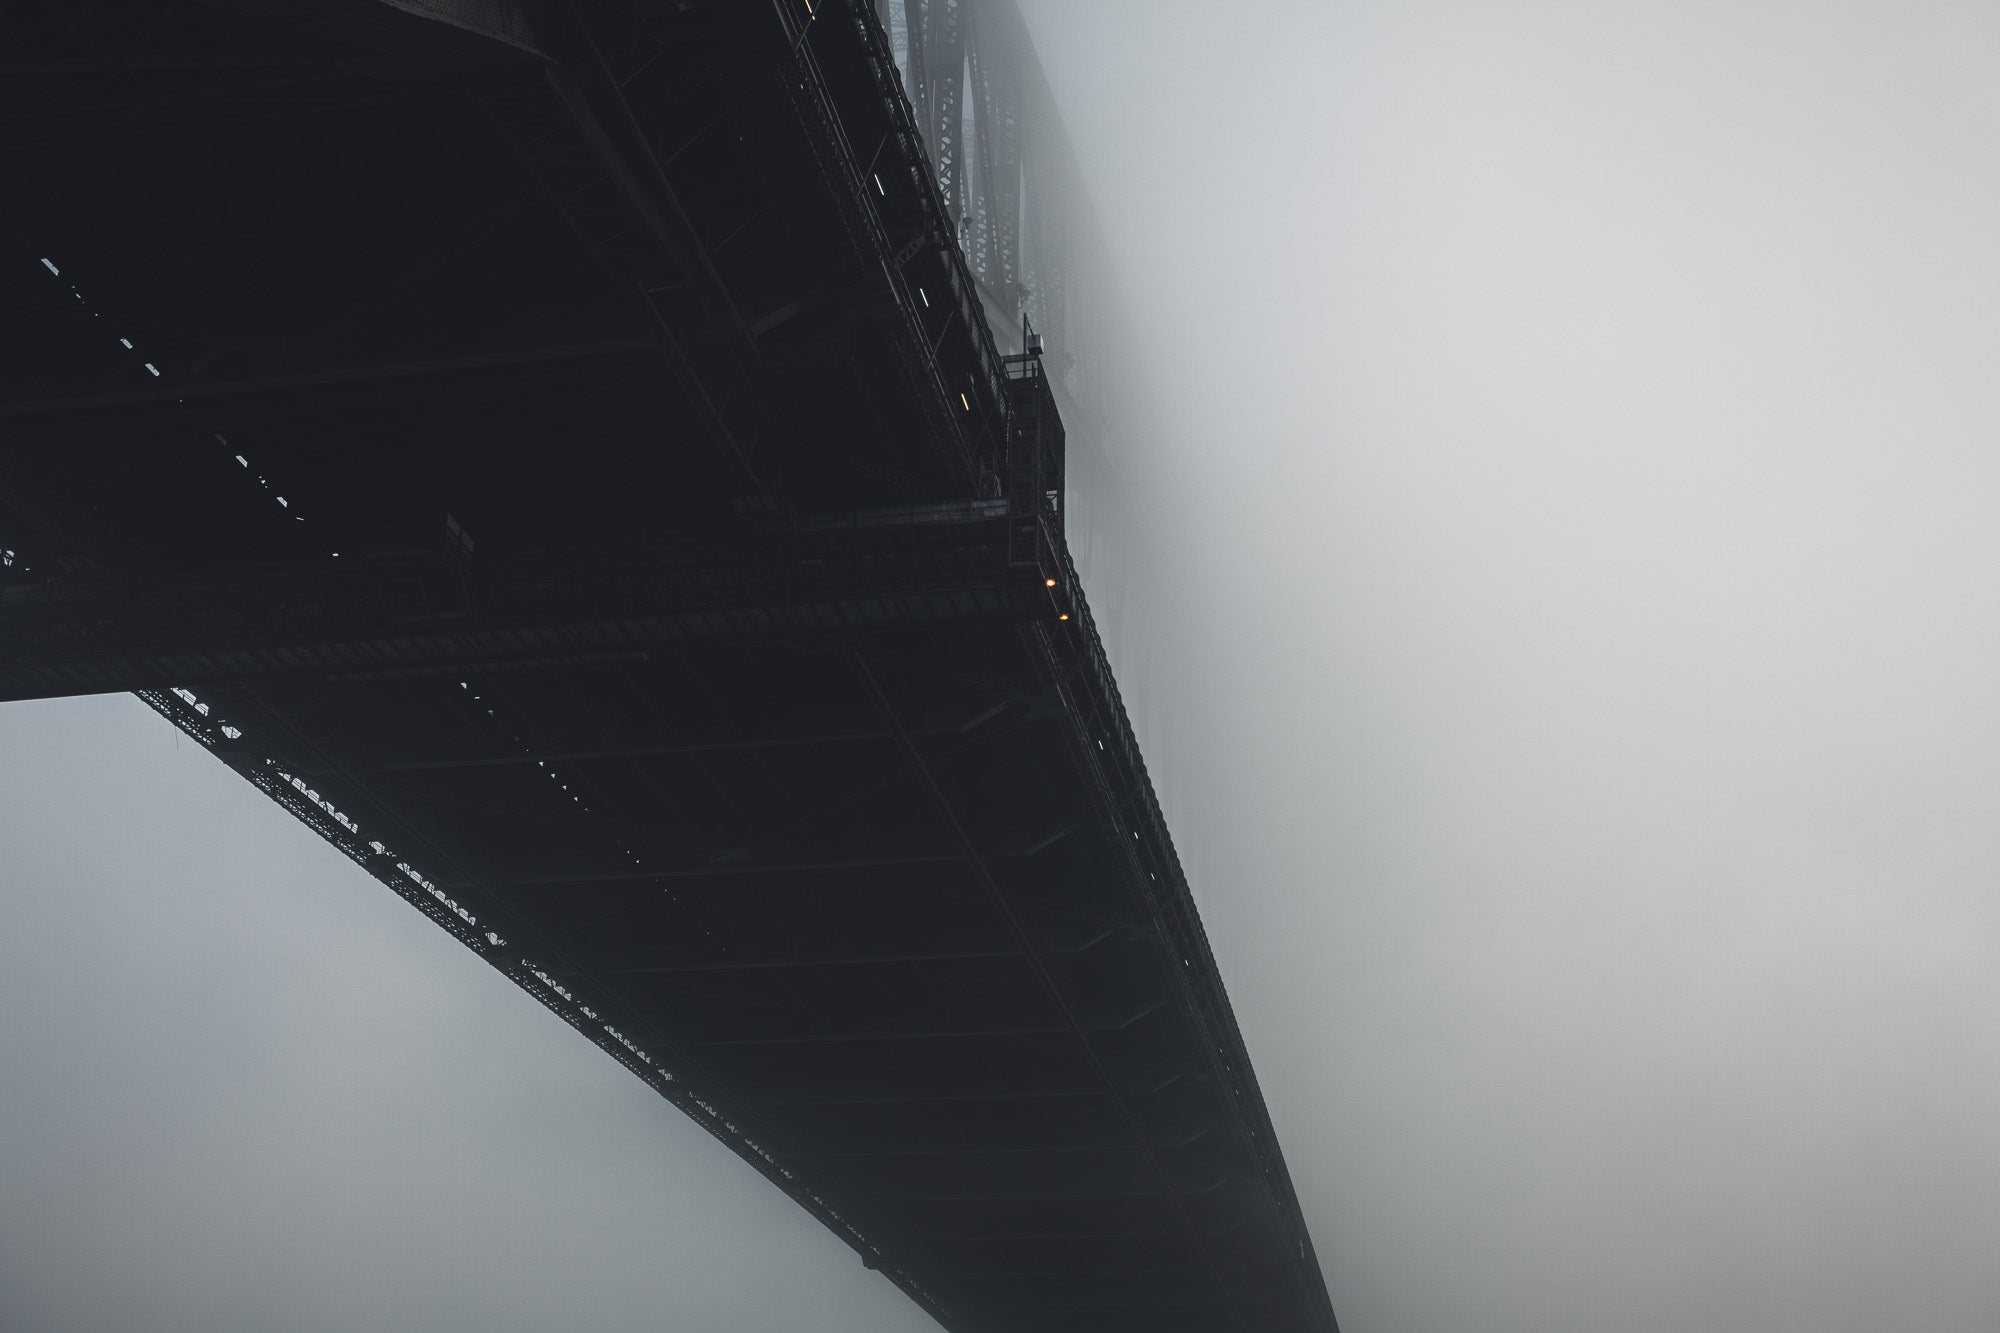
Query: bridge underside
{"type": "Point", "coordinates": [556, 452]}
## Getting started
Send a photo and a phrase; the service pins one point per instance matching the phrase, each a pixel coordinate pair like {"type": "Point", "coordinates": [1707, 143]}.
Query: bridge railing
{"type": "Point", "coordinates": [1031, 471]}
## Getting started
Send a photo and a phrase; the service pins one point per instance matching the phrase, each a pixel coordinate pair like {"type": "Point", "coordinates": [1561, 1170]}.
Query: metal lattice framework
{"type": "Point", "coordinates": [562, 453]}
{"type": "Point", "coordinates": [1006, 174]}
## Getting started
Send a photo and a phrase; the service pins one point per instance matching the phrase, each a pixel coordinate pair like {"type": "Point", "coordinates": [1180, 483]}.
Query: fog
{"type": "Point", "coordinates": [1549, 542]}
{"type": "Point", "coordinates": [1573, 483]}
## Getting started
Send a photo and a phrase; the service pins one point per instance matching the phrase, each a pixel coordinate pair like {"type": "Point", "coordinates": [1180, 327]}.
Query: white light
{"type": "Point", "coordinates": [244, 461]}
{"type": "Point", "coordinates": [926, 298]}
{"type": "Point", "coordinates": [154, 369]}
{"type": "Point", "coordinates": [53, 269]}
{"type": "Point", "coordinates": [127, 342]}
{"type": "Point", "coordinates": [878, 189]}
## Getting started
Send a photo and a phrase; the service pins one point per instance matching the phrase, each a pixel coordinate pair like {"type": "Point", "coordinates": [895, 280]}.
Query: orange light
{"type": "Point", "coordinates": [1063, 616]}
{"type": "Point", "coordinates": [1050, 582]}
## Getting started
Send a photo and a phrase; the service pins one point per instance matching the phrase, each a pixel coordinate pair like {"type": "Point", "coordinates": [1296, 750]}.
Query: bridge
{"type": "Point", "coordinates": [602, 467]}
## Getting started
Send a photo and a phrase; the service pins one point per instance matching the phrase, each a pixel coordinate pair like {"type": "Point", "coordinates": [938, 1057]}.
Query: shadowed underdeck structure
{"type": "Point", "coordinates": [561, 453]}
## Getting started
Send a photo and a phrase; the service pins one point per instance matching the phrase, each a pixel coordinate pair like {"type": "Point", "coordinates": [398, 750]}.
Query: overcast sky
{"type": "Point", "coordinates": [1567, 626]}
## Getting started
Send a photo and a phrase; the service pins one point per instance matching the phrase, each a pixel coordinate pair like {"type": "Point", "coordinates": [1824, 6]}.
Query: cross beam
{"type": "Point", "coordinates": [900, 849]}
{"type": "Point", "coordinates": [421, 612]}
{"type": "Point", "coordinates": [310, 386]}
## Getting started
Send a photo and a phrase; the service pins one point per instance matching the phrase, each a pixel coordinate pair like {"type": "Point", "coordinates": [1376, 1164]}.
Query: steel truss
{"type": "Point", "coordinates": [746, 711]}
